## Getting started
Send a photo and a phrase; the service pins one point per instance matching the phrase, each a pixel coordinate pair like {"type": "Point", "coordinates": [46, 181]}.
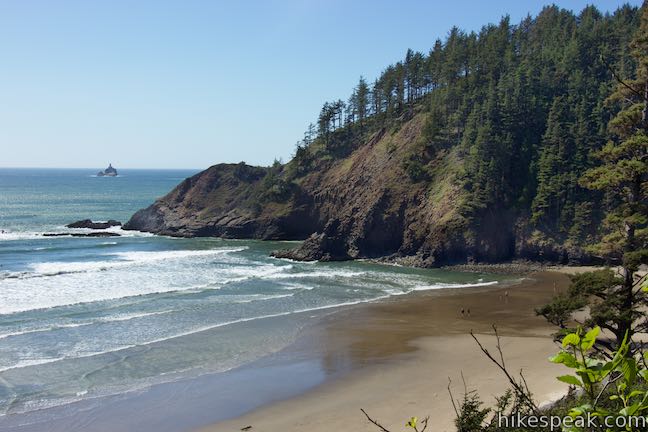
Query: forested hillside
{"type": "Point", "coordinates": [470, 152]}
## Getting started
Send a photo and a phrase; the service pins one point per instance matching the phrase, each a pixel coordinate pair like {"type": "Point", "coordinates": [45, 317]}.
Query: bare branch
{"type": "Point", "coordinates": [381, 427]}
{"type": "Point", "coordinates": [604, 388]}
{"type": "Point", "coordinates": [618, 78]}
{"type": "Point", "coordinates": [524, 381]}
{"type": "Point", "coordinates": [638, 283]}
{"type": "Point", "coordinates": [454, 406]}
{"type": "Point", "coordinates": [604, 352]}
{"type": "Point", "coordinates": [464, 383]}
{"type": "Point", "coordinates": [425, 424]}
{"type": "Point", "coordinates": [517, 386]}
{"type": "Point", "coordinates": [499, 347]}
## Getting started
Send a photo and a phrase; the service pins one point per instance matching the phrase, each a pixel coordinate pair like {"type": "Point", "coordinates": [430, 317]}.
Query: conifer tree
{"type": "Point", "coordinates": [623, 176]}
{"type": "Point", "coordinates": [553, 179]}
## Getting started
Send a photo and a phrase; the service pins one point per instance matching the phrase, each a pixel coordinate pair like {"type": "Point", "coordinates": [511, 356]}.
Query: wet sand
{"type": "Point", "coordinates": [394, 358]}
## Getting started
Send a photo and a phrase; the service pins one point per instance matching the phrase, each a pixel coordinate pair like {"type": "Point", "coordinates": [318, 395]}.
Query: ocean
{"type": "Point", "coordinates": [82, 318]}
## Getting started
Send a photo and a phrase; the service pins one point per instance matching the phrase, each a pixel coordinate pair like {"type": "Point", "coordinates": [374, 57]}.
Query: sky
{"type": "Point", "coordinates": [188, 83]}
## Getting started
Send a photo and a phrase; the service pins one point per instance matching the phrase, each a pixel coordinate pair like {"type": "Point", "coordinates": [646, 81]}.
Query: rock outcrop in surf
{"type": "Point", "coordinates": [108, 172]}
{"type": "Point", "coordinates": [88, 223]}
{"type": "Point", "coordinates": [90, 234]}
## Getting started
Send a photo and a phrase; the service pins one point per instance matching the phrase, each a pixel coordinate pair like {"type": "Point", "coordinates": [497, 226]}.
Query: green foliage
{"type": "Point", "coordinates": [433, 128]}
{"type": "Point", "coordinates": [275, 187]}
{"type": "Point", "coordinates": [301, 163]}
{"type": "Point", "coordinates": [415, 168]}
{"type": "Point", "coordinates": [556, 179]}
{"type": "Point", "coordinates": [471, 414]}
{"type": "Point", "coordinates": [471, 417]}
{"type": "Point", "coordinates": [527, 104]}
{"type": "Point", "coordinates": [615, 302]}
{"type": "Point", "coordinates": [561, 308]}
{"type": "Point", "coordinates": [623, 172]}
{"type": "Point", "coordinates": [614, 387]}
{"type": "Point", "coordinates": [603, 291]}
{"type": "Point", "coordinates": [530, 109]}
{"type": "Point", "coordinates": [247, 173]}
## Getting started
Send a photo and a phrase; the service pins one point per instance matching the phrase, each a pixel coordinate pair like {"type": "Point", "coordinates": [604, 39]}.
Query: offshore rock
{"type": "Point", "coordinates": [87, 223]}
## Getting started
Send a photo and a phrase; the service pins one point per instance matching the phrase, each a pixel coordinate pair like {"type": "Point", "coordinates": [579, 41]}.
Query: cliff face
{"type": "Point", "coordinates": [362, 205]}
{"type": "Point", "coordinates": [223, 201]}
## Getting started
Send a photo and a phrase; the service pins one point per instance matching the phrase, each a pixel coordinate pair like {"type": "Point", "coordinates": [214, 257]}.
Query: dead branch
{"type": "Point", "coordinates": [609, 381]}
{"type": "Point", "coordinates": [618, 78]}
{"type": "Point", "coordinates": [424, 422]}
{"type": "Point", "coordinates": [454, 405]}
{"type": "Point", "coordinates": [524, 381]}
{"type": "Point", "coordinates": [520, 387]}
{"type": "Point", "coordinates": [463, 379]}
{"type": "Point", "coordinates": [378, 425]}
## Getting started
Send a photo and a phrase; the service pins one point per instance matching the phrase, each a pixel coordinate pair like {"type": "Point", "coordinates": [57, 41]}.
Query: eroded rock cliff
{"type": "Point", "coordinates": [361, 205]}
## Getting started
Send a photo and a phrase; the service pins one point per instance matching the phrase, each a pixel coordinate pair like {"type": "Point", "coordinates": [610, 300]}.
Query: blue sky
{"type": "Point", "coordinates": [187, 84]}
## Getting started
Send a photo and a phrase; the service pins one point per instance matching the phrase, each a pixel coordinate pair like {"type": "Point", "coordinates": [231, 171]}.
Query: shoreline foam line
{"type": "Point", "coordinates": [268, 316]}
{"type": "Point", "coordinates": [98, 320]}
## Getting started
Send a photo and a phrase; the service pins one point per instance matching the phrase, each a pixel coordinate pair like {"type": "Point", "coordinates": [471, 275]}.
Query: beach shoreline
{"type": "Point", "coordinates": [400, 354]}
{"type": "Point", "coordinates": [392, 357]}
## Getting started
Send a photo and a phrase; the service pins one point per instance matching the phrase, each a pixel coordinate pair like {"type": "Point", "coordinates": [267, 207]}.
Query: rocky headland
{"type": "Point", "coordinates": [439, 161]}
{"type": "Point", "coordinates": [360, 205]}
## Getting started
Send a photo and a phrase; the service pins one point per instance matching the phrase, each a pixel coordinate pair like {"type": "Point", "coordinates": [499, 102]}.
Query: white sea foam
{"type": "Point", "coordinates": [32, 362]}
{"type": "Point", "coordinates": [294, 261]}
{"type": "Point", "coordinates": [149, 256]}
{"type": "Point", "coordinates": [317, 274]}
{"type": "Point", "coordinates": [14, 275]}
{"type": "Point", "coordinates": [258, 297]}
{"type": "Point", "coordinates": [452, 285]}
{"type": "Point", "coordinates": [38, 235]}
{"type": "Point", "coordinates": [42, 361]}
{"type": "Point", "coordinates": [43, 329]}
{"type": "Point", "coordinates": [100, 320]}
{"type": "Point", "coordinates": [20, 235]}
{"type": "Point", "coordinates": [121, 259]}
{"type": "Point", "coordinates": [127, 274]}
{"type": "Point", "coordinates": [296, 286]}
{"type": "Point", "coordinates": [261, 317]}
{"type": "Point", "coordinates": [132, 316]}
{"type": "Point", "coordinates": [266, 271]}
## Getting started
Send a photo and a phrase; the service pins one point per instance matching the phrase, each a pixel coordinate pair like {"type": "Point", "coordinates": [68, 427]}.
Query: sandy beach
{"type": "Point", "coordinates": [391, 357]}
{"type": "Point", "coordinates": [402, 352]}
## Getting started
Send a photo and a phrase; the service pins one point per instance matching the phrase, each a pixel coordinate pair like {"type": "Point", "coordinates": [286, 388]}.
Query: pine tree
{"type": "Point", "coordinates": [553, 178]}
{"type": "Point", "coordinates": [359, 102]}
{"type": "Point", "coordinates": [623, 176]}
{"type": "Point", "coordinates": [624, 169]}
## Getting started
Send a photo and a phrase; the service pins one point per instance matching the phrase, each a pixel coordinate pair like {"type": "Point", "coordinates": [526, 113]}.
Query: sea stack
{"type": "Point", "coordinates": [108, 172]}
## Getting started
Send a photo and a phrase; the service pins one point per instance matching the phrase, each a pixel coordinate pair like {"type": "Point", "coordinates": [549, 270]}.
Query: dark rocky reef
{"type": "Point", "coordinates": [92, 234]}
{"type": "Point", "coordinates": [87, 223]}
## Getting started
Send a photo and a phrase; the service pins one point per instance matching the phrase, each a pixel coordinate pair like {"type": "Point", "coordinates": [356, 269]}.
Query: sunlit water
{"type": "Point", "coordinates": [87, 317]}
